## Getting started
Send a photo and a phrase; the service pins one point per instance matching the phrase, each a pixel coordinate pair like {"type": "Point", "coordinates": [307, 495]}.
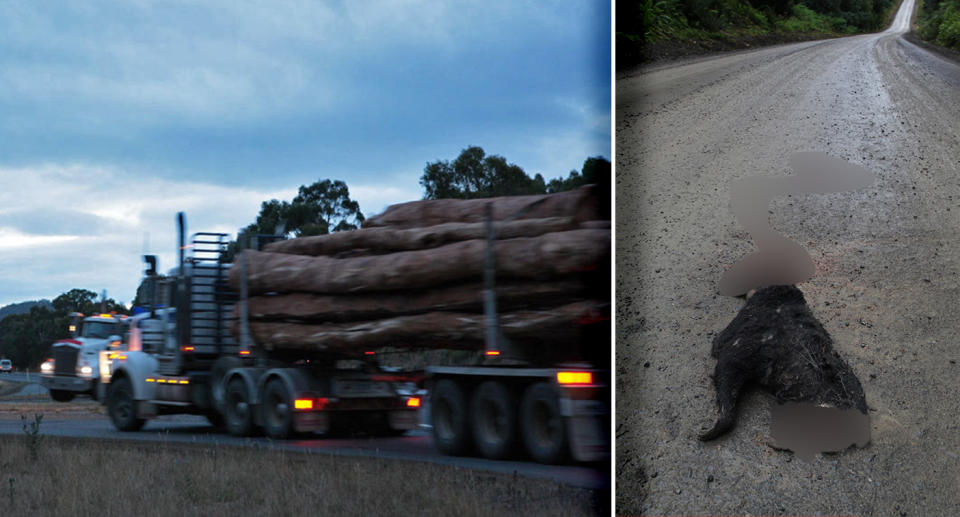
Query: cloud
{"type": "Point", "coordinates": [65, 226]}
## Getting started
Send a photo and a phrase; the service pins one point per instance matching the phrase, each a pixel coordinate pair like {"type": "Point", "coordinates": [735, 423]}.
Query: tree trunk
{"type": "Point", "coordinates": [459, 298]}
{"type": "Point", "coordinates": [544, 257]}
{"type": "Point", "coordinates": [386, 240]}
{"type": "Point", "coordinates": [547, 328]}
{"type": "Point", "coordinates": [581, 203]}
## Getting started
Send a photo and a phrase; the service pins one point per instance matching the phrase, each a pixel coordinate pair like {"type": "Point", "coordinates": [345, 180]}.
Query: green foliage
{"type": "Point", "coordinates": [318, 209]}
{"type": "Point", "coordinates": [939, 22]}
{"type": "Point", "coordinates": [596, 170]}
{"type": "Point", "coordinates": [473, 174]}
{"type": "Point", "coordinates": [693, 20]}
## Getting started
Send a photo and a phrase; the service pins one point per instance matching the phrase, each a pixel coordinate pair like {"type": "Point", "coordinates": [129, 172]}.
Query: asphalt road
{"type": "Point", "coordinates": [415, 446]}
{"type": "Point", "coordinates": [886, 283]}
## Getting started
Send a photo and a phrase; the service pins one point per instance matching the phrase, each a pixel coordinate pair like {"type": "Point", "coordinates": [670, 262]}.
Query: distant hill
{"type": "Point", "coordinates": [23, 307]}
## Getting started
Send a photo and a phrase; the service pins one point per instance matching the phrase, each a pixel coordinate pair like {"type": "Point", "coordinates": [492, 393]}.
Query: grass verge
{"type": "Point", "coordinates": [10, 387]}
{"type": "Point", "coordinates": [95, 477]}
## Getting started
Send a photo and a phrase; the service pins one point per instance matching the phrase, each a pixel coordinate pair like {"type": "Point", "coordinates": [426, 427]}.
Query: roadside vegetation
{"type": "Point", "coordinates": [94, 477]}
{"type": "Point", "coordinates": [653, 29]}
{"type": "Point", "coordinates": [938, 22]}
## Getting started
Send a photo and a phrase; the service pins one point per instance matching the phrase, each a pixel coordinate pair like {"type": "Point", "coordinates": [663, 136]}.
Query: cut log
{"type": "Point", "coordinates": [386, 240]}
{"type": "Point", "coordinates": [544, 257]}
{"type": "Point", "coordinates": [582, 204]}
{"type": "Point", "coordinates": [459, 298]}
{"type": "Point", "coordinates": [553, 328]}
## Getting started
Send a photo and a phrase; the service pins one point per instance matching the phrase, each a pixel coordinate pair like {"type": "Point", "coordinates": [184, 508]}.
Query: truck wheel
{"type": "Point", "coordinates": [122, 407]}
{"type": "Point", "coordinates": [277, 410]}
{"type": "Point", "coordinates": [62, 396]}
{"type": "Point", "coordinates": [542, 425]}
{"type": "Point", "coordinates": [218, 388]}
{"type": "Point", "coordinates": [239, 414]}
{"type": "Point", "coordinates": [215, 418]}
{"type": "Point", "coordinates": [448, 414]}
{"type": "Point", "coordinates": [494, 418]}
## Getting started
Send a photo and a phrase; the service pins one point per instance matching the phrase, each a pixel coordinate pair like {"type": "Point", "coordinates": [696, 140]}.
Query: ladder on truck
{"type": "Point", "coordinates": [211, 299]}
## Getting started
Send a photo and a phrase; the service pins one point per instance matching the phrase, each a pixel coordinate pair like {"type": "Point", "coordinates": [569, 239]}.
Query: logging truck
{"type": "Point", "coordinates": [286, 337]}
{"type": "Point", "coordinates": [183, 357]}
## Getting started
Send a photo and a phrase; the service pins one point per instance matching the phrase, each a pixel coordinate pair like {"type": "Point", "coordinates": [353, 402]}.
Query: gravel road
{"type": "Point", "coordinates": [886, 284]}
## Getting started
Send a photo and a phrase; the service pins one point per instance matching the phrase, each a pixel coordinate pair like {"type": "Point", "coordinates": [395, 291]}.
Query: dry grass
{"type": "Point", "coordinates": [10, 387]}
{"type": "Point", "coordinates": [94, 477]}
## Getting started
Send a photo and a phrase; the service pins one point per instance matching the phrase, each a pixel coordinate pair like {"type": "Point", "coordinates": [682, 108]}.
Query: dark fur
{"type": "Point", "coordinates": [776, 342]}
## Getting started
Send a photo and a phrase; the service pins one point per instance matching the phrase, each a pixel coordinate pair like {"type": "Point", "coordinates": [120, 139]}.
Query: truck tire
{"type": "Point", "coordinates": [277, 410]}
{"type": "Point", "coordinates": [493, 413]}
{"type": "Point", "coordinates": [215, 419]}
{"type": "Point", "coordinates": [218, 388]}
{"type": "Point", "coordinates": [62, 395]}
{"type": "Point", "coordinates": [237, 408]}
{"type": "Point", "coordinates": [542, 425]}
{"type": "Point", "coordinates": [448, 414]}
{"type": "Point", "coordinates": [122, 407]}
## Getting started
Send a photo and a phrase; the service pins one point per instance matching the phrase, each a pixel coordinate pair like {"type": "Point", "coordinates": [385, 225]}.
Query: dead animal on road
{"type": "Point", "coordinates": [777, 343]}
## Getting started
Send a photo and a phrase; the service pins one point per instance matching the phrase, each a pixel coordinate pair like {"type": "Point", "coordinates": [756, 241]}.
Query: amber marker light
{"type": "Point", "coordinates": [187, 348]}
{"type": "Point", "coordinates": [244, 352]}
{"type": "Point", "coordinates": [493, 352]}
{"type": "Point", "coordinates": [303, 404]}
{"type": "Point", "coordinates": [574, 377]}
{"type": "Point", "coordinates": [413, 402]}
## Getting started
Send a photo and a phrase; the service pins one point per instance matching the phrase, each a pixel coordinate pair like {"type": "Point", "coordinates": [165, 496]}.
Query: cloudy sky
{"type": "Point", "coordinates": [114, 115]}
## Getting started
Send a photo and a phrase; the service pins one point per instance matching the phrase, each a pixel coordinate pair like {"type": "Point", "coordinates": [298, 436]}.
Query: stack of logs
{"type": "Point", "coordinates": [413, 276]}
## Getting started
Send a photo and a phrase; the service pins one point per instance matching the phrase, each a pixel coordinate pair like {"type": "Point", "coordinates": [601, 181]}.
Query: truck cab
{"type": "Point", "coordinates": [74, 367]}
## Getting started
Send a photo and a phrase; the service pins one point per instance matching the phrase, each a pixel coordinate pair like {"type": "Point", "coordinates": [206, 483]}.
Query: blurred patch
{"type": "Point", "coordinates": [779, 260]}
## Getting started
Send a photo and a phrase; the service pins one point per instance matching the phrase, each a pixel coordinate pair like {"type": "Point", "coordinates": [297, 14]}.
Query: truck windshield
{"type": "Point", "coordinates": [99, 329]}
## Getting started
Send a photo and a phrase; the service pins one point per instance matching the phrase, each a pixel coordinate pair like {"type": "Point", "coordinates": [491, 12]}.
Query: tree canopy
{"type": "Point", "coordinates": [473, 174]}
{"type": "Point", "coordinates": [318, 209]}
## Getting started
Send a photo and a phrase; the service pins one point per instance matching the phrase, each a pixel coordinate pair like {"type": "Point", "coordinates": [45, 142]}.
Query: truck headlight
{"type": "Point", "coordinates": [86, 370]}
{"type": "Point", "coordinates": [47, 366]}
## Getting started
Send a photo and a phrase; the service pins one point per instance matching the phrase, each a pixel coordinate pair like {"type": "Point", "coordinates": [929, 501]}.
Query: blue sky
{"type": "Point", "coordinates": [115, 115]}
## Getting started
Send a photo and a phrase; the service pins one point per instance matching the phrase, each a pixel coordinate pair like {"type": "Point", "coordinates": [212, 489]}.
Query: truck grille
{"type": "Point", "coordinates": [65, 360]}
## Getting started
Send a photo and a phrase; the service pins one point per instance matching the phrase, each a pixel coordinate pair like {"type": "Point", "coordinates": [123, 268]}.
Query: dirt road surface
{"type": "Point", "coordinates": [886, 285]}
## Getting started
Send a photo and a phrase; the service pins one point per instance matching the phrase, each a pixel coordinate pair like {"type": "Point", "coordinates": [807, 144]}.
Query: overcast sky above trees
{"type": "Point", "coordinates": [117, 114]}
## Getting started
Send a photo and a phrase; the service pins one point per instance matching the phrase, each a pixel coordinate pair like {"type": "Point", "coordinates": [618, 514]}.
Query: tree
{"type": "Point", "coordinates": [322, 208]}
{"type": "Point", "coordinates": [74, 300]}
{"type": "Point", "coordinates": [595, 171]}
{"type": "Point", "coordinates": [318, 209]}
{"type": "Point", "coordinates": [475, 175]}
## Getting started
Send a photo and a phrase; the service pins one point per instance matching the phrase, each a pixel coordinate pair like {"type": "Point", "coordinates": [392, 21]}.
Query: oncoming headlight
{"type": "Point", "coordinates": [47, 366]}
{"type": "Point", "coordinates": [86, 370]}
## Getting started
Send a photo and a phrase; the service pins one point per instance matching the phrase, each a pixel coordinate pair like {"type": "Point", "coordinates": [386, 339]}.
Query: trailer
{"type": "Point", "coordinates": [192, 356]}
